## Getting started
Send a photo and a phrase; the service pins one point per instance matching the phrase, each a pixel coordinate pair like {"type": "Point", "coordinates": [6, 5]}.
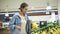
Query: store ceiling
{"type": "Point", "coordinates": [14, 4]}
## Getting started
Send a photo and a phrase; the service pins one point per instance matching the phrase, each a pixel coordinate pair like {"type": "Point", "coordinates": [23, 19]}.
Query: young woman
{"type": "Point", "coordinates": [18, 22]}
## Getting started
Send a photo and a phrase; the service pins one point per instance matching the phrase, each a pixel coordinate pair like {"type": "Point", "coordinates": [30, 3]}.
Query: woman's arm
{"type": "Point", "coordinates": [11, 24]}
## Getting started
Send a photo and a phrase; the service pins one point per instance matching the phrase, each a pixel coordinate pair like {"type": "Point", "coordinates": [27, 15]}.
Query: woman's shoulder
{"type": "Point", "coordinates": [16, 16]}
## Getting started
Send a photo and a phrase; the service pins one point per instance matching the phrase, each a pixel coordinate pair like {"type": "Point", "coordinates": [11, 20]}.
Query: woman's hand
{"type": "Point", "coordinates": [8, 29]}
{"type": "Point", "coordinates": [18, 27]}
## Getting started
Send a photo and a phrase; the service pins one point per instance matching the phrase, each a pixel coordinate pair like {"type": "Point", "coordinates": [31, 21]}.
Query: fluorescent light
{"type": "Point", "coordinates": [49, 7]}
{"type": "Point", "coordinates": [6, 14]}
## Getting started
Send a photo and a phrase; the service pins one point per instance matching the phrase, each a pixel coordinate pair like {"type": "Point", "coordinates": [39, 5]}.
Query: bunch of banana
{"type": "Point", "coordinates": [34, 26]}
{"type": "Point", "coordinates": [58, 30]}
{"type": "Point", "coordinates": [35, 32]}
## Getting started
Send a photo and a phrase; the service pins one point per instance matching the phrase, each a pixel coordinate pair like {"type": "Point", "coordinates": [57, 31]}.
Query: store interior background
{"type": "Point", "coordinates": [13, 5]}
{"type": "Point", "coordinates": [37, 9]}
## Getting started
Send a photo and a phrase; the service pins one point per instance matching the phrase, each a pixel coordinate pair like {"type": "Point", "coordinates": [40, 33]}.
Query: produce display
{"type": "Point", "coordinates": [34, 26]}
{"type": "Point", "coordinates": [50, 28]}
{"type": "Point", "coordinates": [3, 25]}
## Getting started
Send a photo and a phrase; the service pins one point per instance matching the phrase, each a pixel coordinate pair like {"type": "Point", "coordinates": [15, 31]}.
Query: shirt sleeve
{"type": "Point", "coordinates": [11, 24]}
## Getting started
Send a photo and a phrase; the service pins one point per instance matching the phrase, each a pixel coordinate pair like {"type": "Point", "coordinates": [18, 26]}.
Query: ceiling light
{"type": "Point", "coordinates": [49, 7]}
{"type": "Point", "coordinates": [6, 14]}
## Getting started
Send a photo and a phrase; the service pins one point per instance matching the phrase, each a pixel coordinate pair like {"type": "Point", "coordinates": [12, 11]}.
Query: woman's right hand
{"type": "Point", "coordinates": [18, 27]}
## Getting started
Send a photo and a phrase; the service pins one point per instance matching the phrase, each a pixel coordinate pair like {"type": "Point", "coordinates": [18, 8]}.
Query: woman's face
{"type": "Point", "coordinates": [24, 10]}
